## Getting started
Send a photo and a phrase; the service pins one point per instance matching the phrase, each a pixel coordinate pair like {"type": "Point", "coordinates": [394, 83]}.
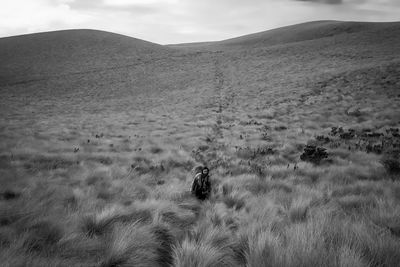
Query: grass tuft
{"type": "Point", "coordinates": [42, 237]}
{"type": "Point", "coordinates": [299, 209]}
{"type": "Point", "coordinates": [133, 245]}
{"type": "Point", "coordinates": [101, 223]}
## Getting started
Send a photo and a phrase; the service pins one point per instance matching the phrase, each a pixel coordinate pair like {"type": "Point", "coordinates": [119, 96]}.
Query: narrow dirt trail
{"type": "Point", "coordinates": [219, 86]}
{"type": "Point", "coordinates": [214, 156]}
{"type": "Point", "coordinates": [226, 101]}
{"type": "Point", "coordinates": [214, 153]}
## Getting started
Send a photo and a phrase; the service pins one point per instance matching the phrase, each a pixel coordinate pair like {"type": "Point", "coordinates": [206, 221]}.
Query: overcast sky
{"type": "Point", "coordinates": [177, 21]}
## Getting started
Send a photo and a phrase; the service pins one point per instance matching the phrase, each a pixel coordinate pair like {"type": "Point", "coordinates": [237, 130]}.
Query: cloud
{"type": "Point", "coordinates": [175, 21]}
{"type": "Point", "coordinates": [335, 2]}
{"type": "Point", "coordinates": [377, 3]}
{"type": "Point", "coordinates": [126, 3]}
{"type": "Point", "coordinates": [19, 17]}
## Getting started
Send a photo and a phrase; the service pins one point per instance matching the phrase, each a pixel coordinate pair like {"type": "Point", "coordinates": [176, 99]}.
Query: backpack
{"type": "Point", "coordinates": [200, 187]}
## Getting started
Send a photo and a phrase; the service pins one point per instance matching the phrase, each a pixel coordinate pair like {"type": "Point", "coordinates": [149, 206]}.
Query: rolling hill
{"type": "Point", "coordinates": [100, 133]}
{"type": "Point", "coordinates": [42, 55]}
{"type": "Point", "coordinates": [313, 31]}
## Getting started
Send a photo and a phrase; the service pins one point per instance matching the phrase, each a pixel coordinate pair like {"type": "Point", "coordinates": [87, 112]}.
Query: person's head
{"type": "Point", "coordinates": [205, 170]}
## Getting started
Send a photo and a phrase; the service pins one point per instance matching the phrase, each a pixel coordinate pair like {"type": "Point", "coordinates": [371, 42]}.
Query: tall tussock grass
{"type": "Point", "coordinates": [206, 246]}
{"type": "Point", "coordinates": [136, 244]}
{"type": "Point", "coordinates": [100, 223]}
{"type": "Point", "coordinates": [131, 245]}
{"type": "Point", "coordinates": [139, 211]}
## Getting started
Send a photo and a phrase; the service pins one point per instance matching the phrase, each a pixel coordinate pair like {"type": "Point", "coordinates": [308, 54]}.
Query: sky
{"type": "Point", "coordinates": [181, 21]}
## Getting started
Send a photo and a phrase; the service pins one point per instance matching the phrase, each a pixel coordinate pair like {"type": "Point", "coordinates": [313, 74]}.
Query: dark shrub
{"type": "Point", "coordinates": [9, 194]}
{"type": "Point", "coordinates": [156, 150]}
{"type": "Point", "coordinates": [391, 162]}
{"type": "Point", "coordinates": [314, 154]}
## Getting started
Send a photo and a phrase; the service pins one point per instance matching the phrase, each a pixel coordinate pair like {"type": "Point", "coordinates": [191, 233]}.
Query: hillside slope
{"type": "Point", "coordinates": [37, 56]}
{"type": "Point", "coordinates": [299, 127]}
{"type": "Point", "coordinates": [338, 30]}
{"type": "Point", "coordinates": [309, 31]}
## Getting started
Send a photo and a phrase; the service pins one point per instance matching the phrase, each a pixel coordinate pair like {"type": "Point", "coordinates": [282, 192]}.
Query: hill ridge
{"type": "Point", "coordinates": [312, 30]}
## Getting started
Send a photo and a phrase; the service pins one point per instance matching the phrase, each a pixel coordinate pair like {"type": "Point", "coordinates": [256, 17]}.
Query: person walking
{"type": "Point", "coordinates": [201, 186]}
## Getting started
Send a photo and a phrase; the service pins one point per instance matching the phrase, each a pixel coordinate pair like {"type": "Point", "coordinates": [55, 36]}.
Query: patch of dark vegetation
{"type": "Point", "coordinates": [322, 138]}
{"type": "Point", "coordinates": [203, 148]}
{"type": "Point", "coordinates": [264, 133]}
{"type": "Point", "coordinates": [266, 137]}
{"type": "Point", "coordinates": [101, 159]}
{"type": "Point", "coordinates": [156, 150]}
{"type": "Point", "coordinates": [395, 132]}
{"type": "Point", "coordinates": [391, 162]}
{"type": "Point", "coordinates": [336, 130]}
{"type": "Point", "coordinates": [347, 135]}
{"type": "Point", "coordinates": [42, 237]}
{"type": "Point", "coordinates": [280, 128]}
{"type": "Point", "coordinates": [45, 163]}
{"type": "Point", "coordinates": [366, 139]}
{"type": "Point", "coordinates": [250, 122]}
{"type": "Point", "coordinates": [249, 153]}
{"type": "Point", "coordinates": [354, 111]}
{"type": "Point", "coordinates": [210, 138]}
{"type": "Point", "coordinates": [9, 194]}
{"type": "Point", "coordinates": [160, 182]}
{"type": "Point", "coordinates": [377, 149]}
{"type": "Point", "coordinates": [314, 154]}
{"type": "Point", "coordinates": [100, 135]}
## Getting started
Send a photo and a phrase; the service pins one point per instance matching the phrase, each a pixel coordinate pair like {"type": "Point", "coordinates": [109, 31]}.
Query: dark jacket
{"type": "Point", "coordinates": [201, 186]}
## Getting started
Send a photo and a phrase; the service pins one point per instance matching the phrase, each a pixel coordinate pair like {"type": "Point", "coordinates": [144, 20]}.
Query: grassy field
{"type": "Point", "coordinates": [98, 148]}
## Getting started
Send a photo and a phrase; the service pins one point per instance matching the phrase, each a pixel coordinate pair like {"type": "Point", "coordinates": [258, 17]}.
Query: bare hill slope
{"type": "Point", "coordinates": [311, 31]}
{"type": "Point", "coordinates": [337, 30]}
{"type": "Point", "coordinates": [40, 55]}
